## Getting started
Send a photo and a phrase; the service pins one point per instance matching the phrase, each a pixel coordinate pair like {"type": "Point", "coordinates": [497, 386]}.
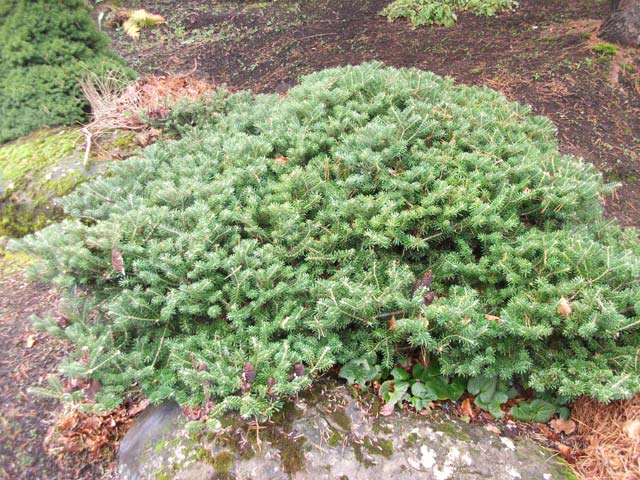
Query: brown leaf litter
{"type": "Point", "coordinates": [94, 434]}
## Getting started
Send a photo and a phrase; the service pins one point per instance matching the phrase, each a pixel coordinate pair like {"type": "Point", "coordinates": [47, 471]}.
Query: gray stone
{"type": "Point", "coordinates": [151, 442]}
{"type": "Point", "coordinates": [326, 434]}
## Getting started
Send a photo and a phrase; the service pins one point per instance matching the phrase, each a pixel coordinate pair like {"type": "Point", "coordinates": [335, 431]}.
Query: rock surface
{"type": "Point", "coordinates": [38, 170]}
{"type": "Point", "coordinates": [326, 434]}
{"type": "Point", "coordinates": [34, 172]}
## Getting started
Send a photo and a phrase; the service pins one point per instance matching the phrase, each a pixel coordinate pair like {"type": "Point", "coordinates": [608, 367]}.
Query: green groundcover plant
{"type": "Point", "coordinates": [281, 236]}
{"type": "Point", "coordinates": [443, 12]}
{"type": "Point", "coordinates": [46, 48]}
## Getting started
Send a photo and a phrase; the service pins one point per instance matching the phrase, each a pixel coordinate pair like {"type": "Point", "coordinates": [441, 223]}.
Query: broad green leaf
{"type": "Point", "coordinates": [359, 372]}
{"type": "Point", "coordinates": [490, 394]}
{"type": "Point", "coordinates": [393, 396]}
{"type": "Point", "coordinates": [537, 410]}
{"type": "Point", "coordinates": [422, 373]}
{"type": "Point", "coordinates": [440, 386]}
{"type": "Point", "coordinates": [399, 374]}
{"type": "Point", "coordinates": [564, 413]}
{"type": "Point", "coordinates": [456, 388]}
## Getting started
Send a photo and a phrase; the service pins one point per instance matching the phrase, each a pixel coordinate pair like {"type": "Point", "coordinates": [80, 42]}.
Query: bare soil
{"type": "Point", "coordinates": [26, 359]}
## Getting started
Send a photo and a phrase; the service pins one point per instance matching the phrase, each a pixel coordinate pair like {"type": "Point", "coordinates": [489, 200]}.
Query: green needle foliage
{"type": "Point", "coordinates": [289, 231]}
{"type": "Point", "coordinates": [443, 12]}
{"type": "Point", "coordinates": [46, 48]}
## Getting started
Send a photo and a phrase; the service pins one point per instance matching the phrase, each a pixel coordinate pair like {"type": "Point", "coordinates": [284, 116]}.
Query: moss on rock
{"type": "Point", "coordinates": [33, 172]}
{"type": "Point", "coordinates": [222, 462]}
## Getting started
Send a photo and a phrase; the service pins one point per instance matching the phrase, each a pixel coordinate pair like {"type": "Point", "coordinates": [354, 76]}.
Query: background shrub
{"type": "Point", "coordinates": [46, 47]}
{"type": "Point", "coordinates": [443, 12]}
{"type": "Point", "coordinates": [284, 236]}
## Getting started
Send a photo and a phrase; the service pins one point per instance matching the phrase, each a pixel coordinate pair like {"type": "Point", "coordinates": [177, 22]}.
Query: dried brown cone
{"type": "Point", "coordinates": [117, 262]}
{"type": "Point", "coordinates": [425, 281]}
{"type": "Point", "coordinates": [248, 373]}
{"type": "Point", "coordinates": [271, 382]}
{"type": "Point", "coordinates": [429, 298]}
{"type": "Point", "coordinates": [564, 307]}
{"type": "Point", "coordinates": [298, 370]}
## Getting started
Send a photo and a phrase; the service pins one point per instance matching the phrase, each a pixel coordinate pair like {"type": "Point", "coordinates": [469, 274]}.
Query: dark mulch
{"type": "Point", "coordinates": [26, 358]}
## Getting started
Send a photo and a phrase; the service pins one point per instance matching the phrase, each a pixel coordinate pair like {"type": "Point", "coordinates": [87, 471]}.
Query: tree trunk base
{"type": "Point", "coordinates": [623, 26]}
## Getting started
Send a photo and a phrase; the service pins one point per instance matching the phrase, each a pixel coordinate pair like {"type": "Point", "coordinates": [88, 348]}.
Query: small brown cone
{"type": "Point", "coordinates": [248, 373]}
{"type": "Point", "coordinates": [298, 370]}
{"type": "Point", "coordinates": [271, 382]}
{"type": "Point", "coordinates": [117, 262]}
{"type": "Point", "coordinates": [429, 298]}
{"type": "Point", "coordinates": [564, 308]}
{"type": "Point", "coordinates": [425, 281]}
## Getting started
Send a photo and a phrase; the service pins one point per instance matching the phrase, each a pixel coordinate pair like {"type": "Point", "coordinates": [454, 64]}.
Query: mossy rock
{"type": "Point", "coordinates": [305, 443]}
{"type": "Point", "coordinates": [34, 172]}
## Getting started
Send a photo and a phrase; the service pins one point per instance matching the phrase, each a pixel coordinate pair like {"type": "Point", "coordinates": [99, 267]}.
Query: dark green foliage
{"type": "Point", "coordinates": [292, 231]}
{"type": "Point", "coordinates": [188, 115]}
{"type": "Point", "coordinates": [436, 386]}
{"type": "Point", "coordinates": [425, 385]}
{"type": "Point", "coordinates": [536, 410]}
{"type": "Point", "coordinates": [46, 47]}
{"type": "Point", "coordinates": [490, 393]}
{"type": "Point", "coordinates": [361, 371]}
{"type": "Point", "coordinates": [541, 409]}
{"type": "Point", "coordinates": [397, 390]}
{"type": "Point", "coordinates": [420, 387]}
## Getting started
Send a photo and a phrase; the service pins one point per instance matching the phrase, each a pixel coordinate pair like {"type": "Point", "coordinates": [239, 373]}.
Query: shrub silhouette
{"type": "Point", "coordinates": [46, 48]}
{"type": "Point", "coordinates": [288, 231]}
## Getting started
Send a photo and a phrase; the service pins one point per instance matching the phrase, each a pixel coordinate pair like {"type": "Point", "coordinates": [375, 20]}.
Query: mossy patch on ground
{"type": "Point", "coordinates": [11, 263]}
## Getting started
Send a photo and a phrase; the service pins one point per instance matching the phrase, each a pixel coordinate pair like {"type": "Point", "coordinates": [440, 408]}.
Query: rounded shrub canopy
{"type": "Point", "coordinates": [46, 48]}
{"type": "Point", "coordinates": [289, 232]}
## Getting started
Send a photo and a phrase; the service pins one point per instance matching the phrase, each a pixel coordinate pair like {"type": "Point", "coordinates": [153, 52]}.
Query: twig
{"type": "Point", "coordinates": [87, 148]}
{"type": "Point", "coordinates": [318, 35]}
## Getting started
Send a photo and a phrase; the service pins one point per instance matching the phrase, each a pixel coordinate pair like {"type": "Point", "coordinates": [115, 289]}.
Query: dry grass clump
{"type": "Point", "coordinates": [119, 105]}
{"type": "Point", "coordinates": [611, 437]}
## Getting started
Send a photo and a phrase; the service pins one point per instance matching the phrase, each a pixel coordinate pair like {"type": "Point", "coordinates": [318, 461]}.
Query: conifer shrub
{"type": "Point", "coordinates": [46, 47]}
{"type": "Point", "coordinates": [285, 235]}
{"type": "Point", "coordinates": [443, 12]}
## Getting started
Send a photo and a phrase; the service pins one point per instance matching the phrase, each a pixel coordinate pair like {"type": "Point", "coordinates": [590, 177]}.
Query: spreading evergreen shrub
{"type": "Point", "coordinates": [443, 12]}
{"type": "Point", "coordinates": [289, 232]}
{"type": "Point", "coordinates": [46, 47]}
